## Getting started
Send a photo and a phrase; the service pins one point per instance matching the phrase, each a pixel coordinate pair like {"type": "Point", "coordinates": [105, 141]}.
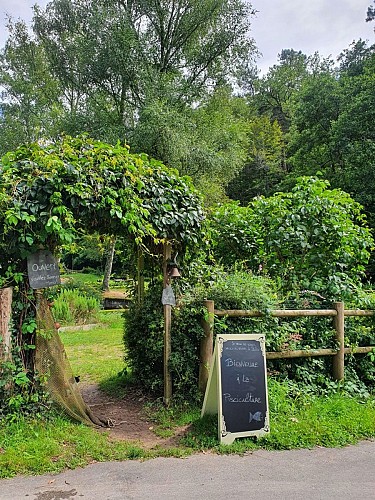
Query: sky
{"type": "Point", "coordinates": [326, 26]}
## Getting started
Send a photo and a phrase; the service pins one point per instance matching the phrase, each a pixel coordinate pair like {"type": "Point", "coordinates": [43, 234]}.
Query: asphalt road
{"type": "Point", "coordinates": [319, 474]}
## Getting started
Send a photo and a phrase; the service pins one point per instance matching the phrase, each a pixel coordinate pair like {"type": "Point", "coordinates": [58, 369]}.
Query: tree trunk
{"type": "Point", "coordinates": [6, 295]}
{"type": "Point", "coordinates": [109, 263]}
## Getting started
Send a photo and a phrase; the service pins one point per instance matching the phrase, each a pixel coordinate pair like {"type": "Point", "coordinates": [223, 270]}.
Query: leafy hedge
{"type": "Point", "coordinates": [312, 238]}
{"type": "Point", "coordinates": [242, 290]}
{"type": "Point", "coordinates": [143, 335]}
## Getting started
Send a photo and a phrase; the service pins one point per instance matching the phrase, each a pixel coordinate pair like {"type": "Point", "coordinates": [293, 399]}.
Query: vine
{"type": "Point", "coordinates": [50, 192]}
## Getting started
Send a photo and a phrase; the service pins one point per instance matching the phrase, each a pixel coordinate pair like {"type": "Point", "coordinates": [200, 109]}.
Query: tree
{"type": "Point", "coordinates": [263, 169]}
{"type": "Point", "coordinates": [352, 59]}
{"type": "Point", "coordinates": [141, 52]}
{"type": "Point", "coordinates": [333, 126]}
{"type": "Point", "coordinates": [311, 145]}
{"type": "Point", "coordinates": [370, 13]}
{"type": "Point", "coordinates": [274, 92]}
{"type": "Point", "coordinates": [152, 72]}
{"type": "Point", "coordinates": [312, 238]}
{"type": "Point", "coordinates": [109, 263]}
{"type": "Point", "coordinates": [272, 101]}
{"type": "Point", "coordinates": [30, 101]}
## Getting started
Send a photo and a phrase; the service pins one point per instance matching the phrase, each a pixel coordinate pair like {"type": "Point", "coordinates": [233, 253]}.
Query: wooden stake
{"type": "Point", "coordinates": [206, 347]}
{"type": "Point", "coordinates": [140, 276]}
{"type": "Point", "coordinates": [6, 295]}
{"type": "Point", "coordinates": [167, 252]}
{"type": "Point", "coordinates": [338, 359]}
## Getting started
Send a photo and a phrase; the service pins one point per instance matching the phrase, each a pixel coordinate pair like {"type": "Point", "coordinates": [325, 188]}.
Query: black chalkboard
{"type": "Point", "coordinates": [43, 270]}
{"type": "Point", "coordinates": [237, 387]}
{"type": "Point", "coordinates": [243, 386]}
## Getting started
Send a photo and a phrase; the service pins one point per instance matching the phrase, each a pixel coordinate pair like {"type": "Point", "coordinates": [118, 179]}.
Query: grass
{"type": "Point", "coordinates": [39, 447]}
{"type": "Point", "coordinates": [36, 446]}
{"type": "Point", "coordinates": [97, 355]}
{"type": "Point", "coordinates": [85, 278]}
{"type": "Point", "coordinates": [332, 421]}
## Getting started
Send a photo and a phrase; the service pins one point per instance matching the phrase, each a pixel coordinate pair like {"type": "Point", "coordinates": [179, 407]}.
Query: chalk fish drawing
{"type": "Point", "coordinates": [256, 416]}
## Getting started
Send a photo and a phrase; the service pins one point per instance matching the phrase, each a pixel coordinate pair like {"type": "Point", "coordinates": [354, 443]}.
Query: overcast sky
{"type": "Point", "coordinates": [326, 26]}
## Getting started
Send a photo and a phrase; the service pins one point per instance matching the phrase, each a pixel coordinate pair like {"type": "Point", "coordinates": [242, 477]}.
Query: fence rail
{"type": "Point", "coordinates": [338, 313]}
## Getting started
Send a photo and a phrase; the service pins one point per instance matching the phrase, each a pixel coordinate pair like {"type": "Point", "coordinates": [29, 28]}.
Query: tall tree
{"type": "Point", "coordinates": [142, 70]}
{"type": "Point", "coordinates": [333, 127]}
{"type": "Point", "coordinates": [263, 170]}
{"type": "Point", "coordinates": [136, 53]}
{"type": "Point", "coordinates": [371, 13]}
{"type": "Point", "coordinates": [275, 90]}
{"type": "Point", "coordinates": [30, 103]}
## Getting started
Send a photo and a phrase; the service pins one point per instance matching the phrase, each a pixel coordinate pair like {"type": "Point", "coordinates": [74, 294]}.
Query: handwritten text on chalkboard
{"type": "Point", "coordinates": [243, 385]}
{"type": "Point", "coordinates": [237, 387]}
{"type": "Point", "coordinates": [43, 270]}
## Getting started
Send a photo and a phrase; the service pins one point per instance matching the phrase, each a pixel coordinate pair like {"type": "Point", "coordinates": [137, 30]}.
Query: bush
{"type": "Point", "coordinates": [144, 328]}
{"type": "Point", "coordinates": [74, 306]}
{"type": "Point", "coordinates": [243, 290]}
{"type": "Point", "coordinates": [313, 238]}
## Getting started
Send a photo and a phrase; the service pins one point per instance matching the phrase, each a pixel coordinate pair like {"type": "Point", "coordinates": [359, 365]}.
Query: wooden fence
{"type": "Point", "coordinates": [338, 313]}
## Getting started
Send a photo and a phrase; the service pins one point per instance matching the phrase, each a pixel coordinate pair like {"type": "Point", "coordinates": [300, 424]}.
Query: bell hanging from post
{"type": "Point", "coordinates": [174, 272]}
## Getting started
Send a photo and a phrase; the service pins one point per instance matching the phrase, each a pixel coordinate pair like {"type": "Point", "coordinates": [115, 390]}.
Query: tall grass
{"type": "Point", "coordinates": [73, 306]}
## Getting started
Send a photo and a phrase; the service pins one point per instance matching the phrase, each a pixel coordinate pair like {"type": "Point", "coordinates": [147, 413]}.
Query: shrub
{"type": "Point", "coordinates": [74, 306]}
{"type": "Point", "coordinates": [243, 290]}
{"type": "Point", "coordinates": [313, 238]}
{"type": "Point", "coordinates": [144, 328]}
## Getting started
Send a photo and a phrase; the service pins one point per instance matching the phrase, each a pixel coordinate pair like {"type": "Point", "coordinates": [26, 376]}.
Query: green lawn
{"type": "Point", "coordinates": [97, 354]}
{"type": "Point", "coordinates": [84, 278]}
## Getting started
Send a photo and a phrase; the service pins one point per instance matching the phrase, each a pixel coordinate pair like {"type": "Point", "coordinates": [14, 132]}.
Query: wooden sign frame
{"type": "Point", "coordinates": [213, 399]}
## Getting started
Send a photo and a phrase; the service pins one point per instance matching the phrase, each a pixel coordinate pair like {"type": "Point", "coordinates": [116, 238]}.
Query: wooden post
{"type": "Point", "coordinates": [207, 344]}
{"type": "Point", "coordinates": [167, 252]}
{"type": "Point", "coordinates": [140, 276]}
{"type": "Point", "coordinates": [6, 295]}
{"type": "Point", "coordinates": [338, 359]}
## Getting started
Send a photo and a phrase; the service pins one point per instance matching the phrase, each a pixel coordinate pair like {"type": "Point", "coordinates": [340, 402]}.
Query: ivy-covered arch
{"type": "Point", "coordinates": [51, 191]}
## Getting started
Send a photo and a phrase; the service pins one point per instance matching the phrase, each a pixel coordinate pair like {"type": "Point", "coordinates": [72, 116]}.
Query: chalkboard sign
{"type": "Point", "coordinates": [43, 270]}
{"type": "Point", "coordinates": [237, 387]}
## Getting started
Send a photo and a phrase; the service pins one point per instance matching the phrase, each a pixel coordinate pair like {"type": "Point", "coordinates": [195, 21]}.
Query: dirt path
{"type": "Point", "coordinates": [127, 417]}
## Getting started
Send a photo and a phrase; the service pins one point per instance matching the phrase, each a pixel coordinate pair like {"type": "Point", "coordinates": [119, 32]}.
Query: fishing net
{"type": "Point", "coordinates": [51, 360]}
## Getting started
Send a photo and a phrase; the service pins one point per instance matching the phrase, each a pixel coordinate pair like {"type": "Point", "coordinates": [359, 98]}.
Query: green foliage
{"type": "Point", "coordinates": [20, 392]}
{"type": "Point", "coordinates": [332, 127]}
{"type": "Point", "coordinates": [27, 107]}
{"type": "Point", "coordinates": [51, 191]}
{"type": "Point", "coordinates": [313, 238]}
{"type": "Point", "coordinates": [71, 306]}
{"type": "Point", "coordinates": [314, 243]}
{"type": "Point", "coordinates": [21, 389]}
{"type": "Point", "coordinates": [236, 236]}
{"type": "Point", "coordinates": [143, 338]}
{"type": "Point", "coordinates": [143, 335]}
{"type": "Point", "coordinates": [78, 183]}
{"type": "Point", "coordinates": [263, 169]}
{"type": "Point", "coordinates": [296, 421]}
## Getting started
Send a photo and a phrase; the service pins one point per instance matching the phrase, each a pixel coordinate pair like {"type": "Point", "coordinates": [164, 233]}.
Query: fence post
{"type": "Point", "coordinates": [167, 330]}
{"type": "Point", "coordinates": [206, 347]}
{"type": "Point", "coordinates": [338, 359]}
{"type": "Point", "coordinates": [6, 295]}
